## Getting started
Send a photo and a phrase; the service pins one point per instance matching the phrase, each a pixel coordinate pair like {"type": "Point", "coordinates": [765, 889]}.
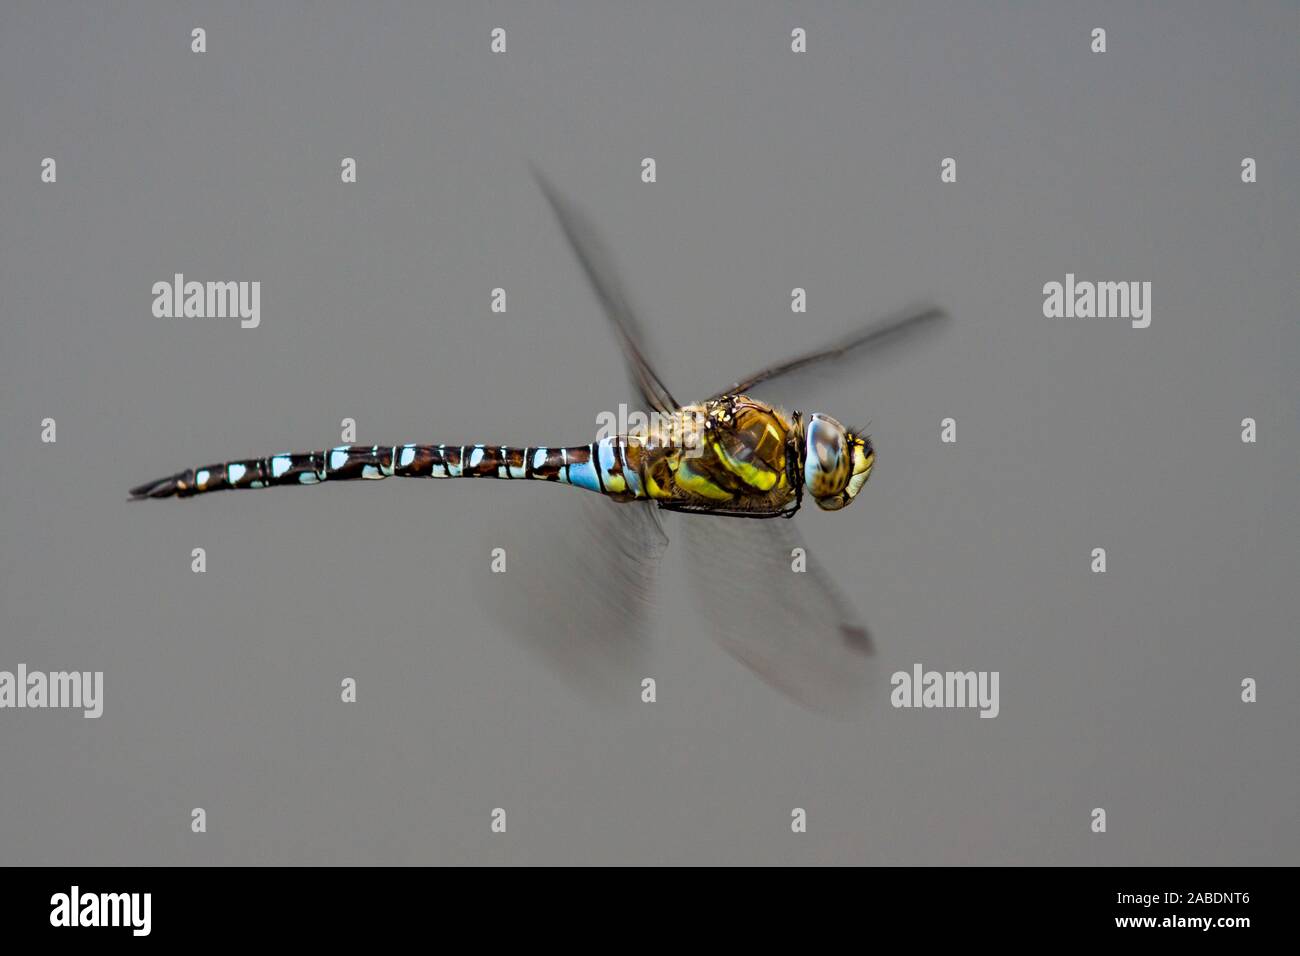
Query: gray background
{"type": "Point", "coordinates": [775, 170]}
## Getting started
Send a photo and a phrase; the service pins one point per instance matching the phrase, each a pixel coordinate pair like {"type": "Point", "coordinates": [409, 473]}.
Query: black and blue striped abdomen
{"type": "Point", "coordinates": [601, 467]}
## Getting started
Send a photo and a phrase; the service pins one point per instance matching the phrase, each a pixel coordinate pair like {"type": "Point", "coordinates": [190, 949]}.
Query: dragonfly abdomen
{"type": "Point", "coordinates": [601, 467]}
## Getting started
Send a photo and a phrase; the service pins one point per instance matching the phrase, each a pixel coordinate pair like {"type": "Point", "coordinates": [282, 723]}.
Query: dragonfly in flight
{"type": "Point", "coordinates": [728, 458]}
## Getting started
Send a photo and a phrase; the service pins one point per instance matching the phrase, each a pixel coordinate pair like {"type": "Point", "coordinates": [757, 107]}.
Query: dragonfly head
{"type": "Point", "coordinates": [836, 462]}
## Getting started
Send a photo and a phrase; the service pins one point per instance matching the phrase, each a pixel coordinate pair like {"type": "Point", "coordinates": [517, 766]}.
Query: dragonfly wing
{"type": "Point", "coordinates": [795, 630]}
{"type": "Point", "coordinates": [597, 266]}
{"type": "Point", "coordinates": [584, 576]}
{"type": "Point", "coordinates": [892, 329]}
{"type": "Point", "coordinates": [579, 588]}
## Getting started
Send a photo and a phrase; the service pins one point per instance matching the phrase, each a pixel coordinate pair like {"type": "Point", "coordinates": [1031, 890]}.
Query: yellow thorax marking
{"type": "Point", "coordinates": [653, 488]}
{"type": "Point", "coordinates": [696, 483]}
{"type": "Point", "coordinates": [755, 474]}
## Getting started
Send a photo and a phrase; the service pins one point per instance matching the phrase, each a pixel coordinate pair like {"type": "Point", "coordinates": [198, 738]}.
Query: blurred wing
{"type": "Point", "coordinates": [794, 630]}
{"type": "Point", "coordinates": [583, 575]}
{"type": "Point", "coordinates": [596, 265]}
{"type": "Point", "coordinates": [892, 329]}
{"type": "Point", "coordinates": [579, 587]}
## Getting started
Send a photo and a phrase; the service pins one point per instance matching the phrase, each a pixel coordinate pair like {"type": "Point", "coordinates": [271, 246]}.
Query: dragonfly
{"type": "Point", "coordinates": [733, 463]}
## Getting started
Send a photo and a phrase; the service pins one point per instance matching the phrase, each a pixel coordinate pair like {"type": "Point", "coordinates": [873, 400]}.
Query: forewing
{"type": "Point", "coordinates": [795, 630]}
{"type": "Point", "coordinates": [891, 330]}
{"type": "Point", "coordinates": [597, 266]}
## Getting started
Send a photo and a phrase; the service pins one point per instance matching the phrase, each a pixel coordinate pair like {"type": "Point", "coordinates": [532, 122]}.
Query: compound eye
{"type": "Point", "coordinates": [828, 446]}
{"type": "Point", "coordinates": [826, 463]}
